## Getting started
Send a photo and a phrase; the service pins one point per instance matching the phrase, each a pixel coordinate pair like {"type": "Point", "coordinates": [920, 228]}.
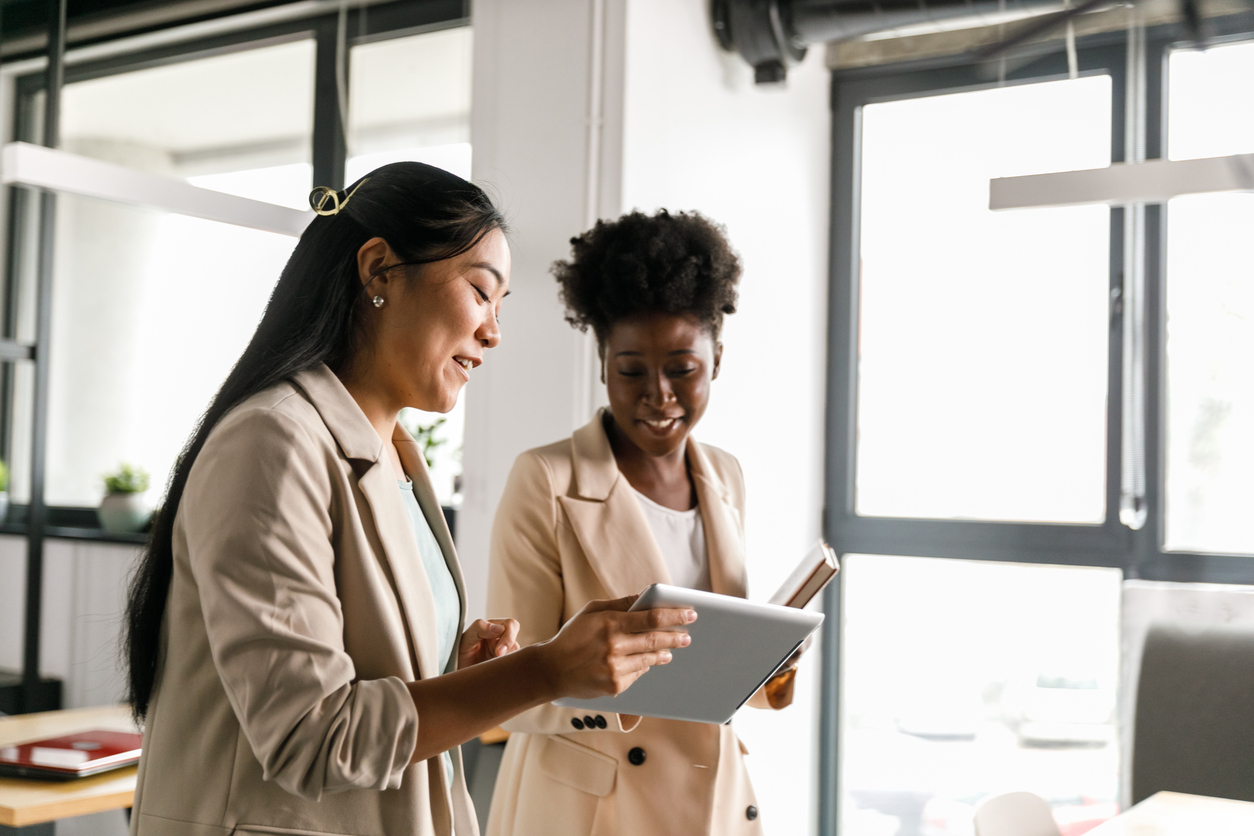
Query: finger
{"type": "Point", "coordinates": [510, 628]}
{"type": "Point", "coordinates": [637, 644]}
{"type": "Point", "coordinates": [640, 666]}
{"type": "Point", "coordinates": [613, 604]}
{"type": "Point", "coordinates": [486, 629]}
{"type": "Point", "coordinates": [657, 619]}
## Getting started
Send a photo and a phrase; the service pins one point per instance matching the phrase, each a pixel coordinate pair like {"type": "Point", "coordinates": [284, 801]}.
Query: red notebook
{"type": "Point", "coordinates": [71, 756]}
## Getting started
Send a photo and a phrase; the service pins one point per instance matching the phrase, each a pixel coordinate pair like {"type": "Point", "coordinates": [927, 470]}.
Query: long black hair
{"type": "Point", "coordinates": [425, 214]}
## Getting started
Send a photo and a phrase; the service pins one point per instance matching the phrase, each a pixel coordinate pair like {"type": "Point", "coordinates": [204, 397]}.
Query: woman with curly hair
{"type": "Point", "coordinates": [630, 499]}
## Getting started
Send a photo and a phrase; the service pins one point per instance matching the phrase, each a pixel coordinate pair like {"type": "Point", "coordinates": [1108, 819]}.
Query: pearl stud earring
{"type": "Point", "coordinates": [378, 301]}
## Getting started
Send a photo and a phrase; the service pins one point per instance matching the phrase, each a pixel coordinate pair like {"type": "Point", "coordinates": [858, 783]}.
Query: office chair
{"type": "Point", "coordinates": [1195, 714]}
{"type": "Point", "coordinates": [1015, 814]}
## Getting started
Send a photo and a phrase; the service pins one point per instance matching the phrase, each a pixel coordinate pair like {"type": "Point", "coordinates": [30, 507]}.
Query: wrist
{"type": "Point", "coordinates": [539, 668]}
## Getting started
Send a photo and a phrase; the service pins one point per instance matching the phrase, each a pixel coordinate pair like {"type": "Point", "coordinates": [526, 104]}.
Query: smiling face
{"type": "Point", "coordinates": [658, 369]}
{"type": "Point", "coordinates": [436, 323]}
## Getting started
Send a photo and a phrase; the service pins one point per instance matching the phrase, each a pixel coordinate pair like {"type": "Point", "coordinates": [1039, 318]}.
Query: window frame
{"type": "Point", "coordinates": [1138, 553]}
{"type": "Point", "coordinates": [328, 149]}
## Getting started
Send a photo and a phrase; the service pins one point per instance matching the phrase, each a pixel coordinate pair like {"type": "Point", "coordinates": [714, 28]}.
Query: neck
{"type": "Point", "coordinates": [373, 397]}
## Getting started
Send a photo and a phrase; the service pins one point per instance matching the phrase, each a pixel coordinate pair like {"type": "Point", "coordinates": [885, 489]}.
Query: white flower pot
{"type": "Point", "coordinates": [123, 512]}
{"type": "Point", "coordinates": [4, 507]}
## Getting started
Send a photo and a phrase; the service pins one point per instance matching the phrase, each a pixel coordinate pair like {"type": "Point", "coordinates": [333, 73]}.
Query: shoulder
{"type": "Point", "coordinates": [272, 437]}
{"type": "Point", "coordinates": [552, 463]}
{"type": "Point", "coordinates": [725, 466]}
{"type": "Point", "coordinates": [280, 413]}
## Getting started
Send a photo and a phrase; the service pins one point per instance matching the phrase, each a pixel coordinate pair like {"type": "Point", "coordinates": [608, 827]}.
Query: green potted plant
{"type": "Point", "coordinates": [424, 434]}
{"type": "Point", "coordinates": [123, 507]}
{"type": "Point", "coordinates": [4, 492]}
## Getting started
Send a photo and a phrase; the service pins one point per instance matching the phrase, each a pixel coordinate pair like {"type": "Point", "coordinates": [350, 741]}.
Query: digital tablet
{"type": "Point", "coordinates": [737, 645]}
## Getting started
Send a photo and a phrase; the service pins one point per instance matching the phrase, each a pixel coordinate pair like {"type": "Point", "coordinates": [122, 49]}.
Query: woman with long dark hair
{"type": "Point", "coordinates": [295, 627]}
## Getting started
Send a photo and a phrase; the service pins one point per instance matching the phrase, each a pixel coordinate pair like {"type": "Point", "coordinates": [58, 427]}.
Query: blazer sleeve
{"type": "Point", "coordinates": [525, 582]}
{"type": "Point", "coordinates": [257, 516]}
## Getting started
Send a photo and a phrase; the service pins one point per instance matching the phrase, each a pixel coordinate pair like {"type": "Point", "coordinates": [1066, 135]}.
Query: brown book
{"type": "Point", "coordinates": [813, 573]}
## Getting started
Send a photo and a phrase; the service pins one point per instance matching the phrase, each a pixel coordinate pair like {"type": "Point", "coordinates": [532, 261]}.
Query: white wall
{"type": "Point", "coordinates": [677, 124]}
{"type": "Point", "coordinates": [700, 136]}
{"type": "Point", "coordinates": [530, 129]}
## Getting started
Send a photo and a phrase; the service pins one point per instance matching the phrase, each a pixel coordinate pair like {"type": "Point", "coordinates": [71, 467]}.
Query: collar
{"type": "Point", "coordinates": [348, 424]}
{"type": "Point", "coordinates": [596, 471]}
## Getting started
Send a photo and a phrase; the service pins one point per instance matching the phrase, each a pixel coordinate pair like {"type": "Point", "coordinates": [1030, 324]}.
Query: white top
{"type": "Point", "coordinates": [681, 537]}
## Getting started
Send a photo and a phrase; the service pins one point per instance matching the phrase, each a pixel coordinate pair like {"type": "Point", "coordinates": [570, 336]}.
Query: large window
{"type": "Point", "coordinates": [1001, 385]}
{"type": "Point", "coordinates": [151, 309]}
{"type": "Point", "coordinates": [981, 365]}
{"type": "Point", "coordinates": [1210, 310]}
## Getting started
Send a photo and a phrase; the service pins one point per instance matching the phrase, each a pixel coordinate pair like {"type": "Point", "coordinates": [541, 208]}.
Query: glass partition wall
{"type": "Point", "coordinates": [980, 384]}
{"type": "Point", "coordinates": [112, 354]}
{"type": "Point", "coordinates": [150, 309]}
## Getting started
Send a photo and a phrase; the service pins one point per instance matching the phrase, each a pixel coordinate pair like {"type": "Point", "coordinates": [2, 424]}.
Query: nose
{"type": "Point", "coordinates": [659, 391]}
{"type": "Point", "coordinates": [489, 333]}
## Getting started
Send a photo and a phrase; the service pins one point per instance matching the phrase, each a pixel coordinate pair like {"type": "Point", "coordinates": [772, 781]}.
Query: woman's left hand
{"type": "Point", "coordinates": [795, 658]}
{"type": "Point", "coordinates": [487, 639]}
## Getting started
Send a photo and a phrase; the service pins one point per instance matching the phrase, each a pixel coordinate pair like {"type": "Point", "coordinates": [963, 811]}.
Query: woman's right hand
{"type": "Point", "coordinates": [604, 648]}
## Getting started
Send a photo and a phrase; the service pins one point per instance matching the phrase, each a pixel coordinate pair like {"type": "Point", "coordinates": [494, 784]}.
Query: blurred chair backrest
{"type": "Point", "coordinates": [1015, 814]}
{"type": "Point", "coordinates": [1195, 714]}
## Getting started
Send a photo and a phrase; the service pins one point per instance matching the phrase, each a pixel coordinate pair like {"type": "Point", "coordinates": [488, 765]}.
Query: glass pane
{"type": "Point", "coordinates": [965, 679]}
{"type": "Point", "coordinates": [238, 123]}
{"type": "Point", "coordinates": [150, 312]}
{"type": "Point", "coordinates": [983, 335]}
{"type": "Point", "coordinates": [1210, 305]}
{"type": "Point", "coordinates": [409, 99]}
{"type": "Point", "coordinates": [1208, 113]}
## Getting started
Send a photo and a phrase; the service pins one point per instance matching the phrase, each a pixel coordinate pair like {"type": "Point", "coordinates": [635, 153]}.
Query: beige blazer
{"type": "Point", "coordinates": [298, 610]}
{"type": "Point", "coordinates": [569, 530]}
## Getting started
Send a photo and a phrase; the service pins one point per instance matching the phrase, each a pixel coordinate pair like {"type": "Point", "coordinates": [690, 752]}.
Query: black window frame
{"type": "Point", "coordinates": [1137, 553]}
{"type": "Point", "coordinates": [329, 154]}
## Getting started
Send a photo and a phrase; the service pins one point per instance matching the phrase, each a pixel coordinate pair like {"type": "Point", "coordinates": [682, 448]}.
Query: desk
{"type": "Point", "coordinates": [1176, 814]}
{"type": "Point", "coordinates": [24, 802]}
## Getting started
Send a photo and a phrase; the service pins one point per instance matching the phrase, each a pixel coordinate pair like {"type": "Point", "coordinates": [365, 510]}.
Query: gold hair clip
{"type": "Point", "coordinates": [322, 195]}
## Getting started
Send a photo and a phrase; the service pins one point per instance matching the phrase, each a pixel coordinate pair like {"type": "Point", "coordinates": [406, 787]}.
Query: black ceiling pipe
{"type": "Point", "coordinates": [772, 35]}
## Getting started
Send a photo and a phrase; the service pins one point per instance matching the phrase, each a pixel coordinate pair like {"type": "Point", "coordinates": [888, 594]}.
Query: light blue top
{"type": "Point", "coordinates": [443, 590]}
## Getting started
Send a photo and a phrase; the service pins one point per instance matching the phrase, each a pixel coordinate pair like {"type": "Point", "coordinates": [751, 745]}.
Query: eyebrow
{"type": "Point", "coordinates": [500, 280]}
{"type": "Point", "coordinates": [674, 353]}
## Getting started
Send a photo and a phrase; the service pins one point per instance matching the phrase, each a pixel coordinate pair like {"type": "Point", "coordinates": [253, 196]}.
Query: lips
{"type": "Point", "coordinates": [662, 425]}
{"type": "Point", "coordinates": [465, 364]}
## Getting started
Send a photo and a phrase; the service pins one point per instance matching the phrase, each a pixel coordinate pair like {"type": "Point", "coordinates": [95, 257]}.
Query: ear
{"type": "Point", "coordinates": [371, 258]}
{"type": "Point", "coordinates": [718, 360]}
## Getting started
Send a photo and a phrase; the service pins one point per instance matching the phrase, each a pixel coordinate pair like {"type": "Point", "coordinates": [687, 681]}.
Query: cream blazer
{"type": "Point", "coordinates": [298, 610]}
{"type": "Point", "coordinates": [569, 530]}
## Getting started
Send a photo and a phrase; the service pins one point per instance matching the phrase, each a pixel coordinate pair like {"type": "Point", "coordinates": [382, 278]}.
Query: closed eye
{"type": "Point", "coordinates": [479, 290]}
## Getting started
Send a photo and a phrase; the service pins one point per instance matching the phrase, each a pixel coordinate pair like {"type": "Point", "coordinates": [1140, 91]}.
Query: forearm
{"type": "Point", "coordinates": [458, 706]}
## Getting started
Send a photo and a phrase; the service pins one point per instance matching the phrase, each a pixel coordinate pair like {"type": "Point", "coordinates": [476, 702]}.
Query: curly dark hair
{"type": "Point", "coordinates": [677, 263]}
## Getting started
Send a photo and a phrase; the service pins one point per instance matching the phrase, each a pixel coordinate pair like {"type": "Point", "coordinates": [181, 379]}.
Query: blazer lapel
{"type": "Point", "coordinates": [724, 536]}
{"type": "Point", "coordinates": [363, 447]}
{"type": "Point", "coordinates": [607, 519]}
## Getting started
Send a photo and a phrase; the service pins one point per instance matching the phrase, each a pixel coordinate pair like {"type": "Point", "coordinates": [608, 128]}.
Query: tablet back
{"type": "Point", "coordinates": [736, 647]}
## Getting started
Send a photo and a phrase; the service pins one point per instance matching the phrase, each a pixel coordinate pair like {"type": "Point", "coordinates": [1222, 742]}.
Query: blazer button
{"type": "Point", "coordinates": [751, 813]}
{"type": "Point", "coordinates": [636, 756]}
{"type": "Point", "coordinates": [601, 722]}
{"type": "Point", "coordinates": [589, 722]}
{"type": "Point", "coordinates": [577, 723]}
